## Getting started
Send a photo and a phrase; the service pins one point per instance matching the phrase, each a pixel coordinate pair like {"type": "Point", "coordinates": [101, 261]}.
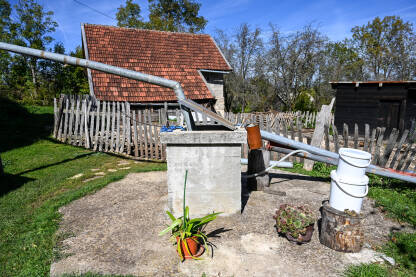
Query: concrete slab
{"type": "Point", "coordinates": [115, 232]}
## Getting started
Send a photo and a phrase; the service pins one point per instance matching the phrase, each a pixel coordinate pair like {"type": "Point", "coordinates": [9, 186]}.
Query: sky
{"type": "Point", "coordinates": [334, 18]}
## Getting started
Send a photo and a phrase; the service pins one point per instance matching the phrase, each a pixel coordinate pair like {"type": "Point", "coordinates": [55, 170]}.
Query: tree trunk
{"type": "Point", "coordinates": [33, 71]}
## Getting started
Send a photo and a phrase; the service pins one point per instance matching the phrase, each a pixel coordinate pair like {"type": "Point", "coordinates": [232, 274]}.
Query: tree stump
{"type": "Point", "coordinates": [341, 231]}
{"type": "Point", "coordinates": [258, 161]}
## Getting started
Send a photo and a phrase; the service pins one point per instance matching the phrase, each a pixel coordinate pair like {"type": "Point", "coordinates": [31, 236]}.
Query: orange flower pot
{"type": "Point", "coordinates": [193, 245]}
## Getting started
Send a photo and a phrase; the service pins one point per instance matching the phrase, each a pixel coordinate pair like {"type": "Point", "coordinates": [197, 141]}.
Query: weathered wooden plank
{"type": "Point", "coordinates": [86, 120]}
{"type": "Point", "coordinates": [378, 146]}
{"type": "Point", "coordinates": [336, 139]}
{"type": "Point", "coordinates": [292, 134]}
{"type": "Point", "coordinates": [372, 140]}
{"type": "Point", "coordinates": [123, 138]}
{"type": "Point", "coordinates": [345, 135]}
{"type": "Point", "coordinates": [113, 127]}
{"type": "Point", "coordinates": [81, 124]}
{"type": "Point", "coordinates": [92, 119]}
{"type": "Point", "coordinates": [55, 115]}
{"type": "Point", "coordinates": [146, 140]}
{"type": "Point", "coordinates": [97, 126]}
{"type": "Point", "coordinates": [134, 121]}
{"type": "Point", "coordinates": [107, 126]}
{"type": "Point", "coordinates": [411, 157]}
{"type": "Point", "coordinates": [366, 137]}
{"type": "Point", "coordinates": [102, 131]}
{"type": "Point", "coordinates": [74, 142]}
{"type": "Point", "coordinates": [71, 122]}
{"type": "Point", "coordinates": [118, 129]}
{"type": "Point", "coordinates": [67, 114]}
{"type": "Point", "coordinates": [141, 139]}
{"type": "Point", "coordinates": [326, 130]}
{"type": "Point", "coordinates": [399, 148]}
{"type": "Point", "coordinates": [61, 123]}
{"type": "Point", "coordinates": [151, 138]}
{"type": "Point", "coordinates": [355, 136]}
{"type": "Point", "coordinates": [128, 121]}
{"type": "Point", "coordinates": [410, 138]}
{"type": "Point", "coordinates": [389, 147]}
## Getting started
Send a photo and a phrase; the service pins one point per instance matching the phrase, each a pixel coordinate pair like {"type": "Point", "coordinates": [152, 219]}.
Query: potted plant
{"type": "Point", "coordinates": [188, 233]}
{"type": "Point", "coordinates": [296, 222]}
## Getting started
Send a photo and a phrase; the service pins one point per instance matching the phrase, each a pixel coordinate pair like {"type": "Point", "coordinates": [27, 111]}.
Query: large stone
{"type": "Point", "coordinates": [212, 159]}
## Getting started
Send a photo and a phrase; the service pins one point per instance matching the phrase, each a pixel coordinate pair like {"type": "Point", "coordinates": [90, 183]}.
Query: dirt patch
{"type": "Point", "coordinates": [115, 232]}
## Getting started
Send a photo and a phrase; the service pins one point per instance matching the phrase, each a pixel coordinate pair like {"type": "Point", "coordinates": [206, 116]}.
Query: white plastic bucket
{"type": "Point", "coordinates": [352, 164]}
{"type": "Point", "coordinates": [347, 195]}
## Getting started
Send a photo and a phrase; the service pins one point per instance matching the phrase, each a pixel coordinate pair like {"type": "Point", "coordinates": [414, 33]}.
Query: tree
{"type": "Point", "coordinates": [294, 63]}
{"type": "Point", "coordinates": [165, 15]}
{"type": "Point", "coordinates": [175, 16]}
{"type": "Point", "coordinates": [33, 30]}
{"type": "Point", "coordinates": [5, 24]}
{"type": "Point", "coordinates": [387, 46]}
{"type": "Point", "coordinates": [129, 15]}
{"type": "Point", "coordinates": [242, 51]}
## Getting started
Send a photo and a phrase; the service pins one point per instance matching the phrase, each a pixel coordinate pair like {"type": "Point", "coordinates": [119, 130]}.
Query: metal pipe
{"type": "Point", "coordinates": [309, 156]}
{"type": "Point", "coordinates": [321, 152]}
{"type": "Point", "coordinates": [273, 163]}
{"type": "Point", "coordinates": [131, 74]}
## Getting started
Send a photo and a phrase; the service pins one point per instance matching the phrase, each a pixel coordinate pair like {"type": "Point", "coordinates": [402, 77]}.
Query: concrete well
{"type": "Point", "coordinates": [214, 171]}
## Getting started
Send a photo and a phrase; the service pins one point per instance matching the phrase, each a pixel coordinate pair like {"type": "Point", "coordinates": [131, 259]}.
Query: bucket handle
{"type": "Point", "coordinates": [335, 179]}
{"type": "Point", "coordinates": [351, 163]}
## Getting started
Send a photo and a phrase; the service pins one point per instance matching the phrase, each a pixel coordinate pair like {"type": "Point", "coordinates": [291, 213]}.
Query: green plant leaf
{"type": "Point", "coordinates": [171, 216]}
{"type": "Point", "coordinates": [177, 222]}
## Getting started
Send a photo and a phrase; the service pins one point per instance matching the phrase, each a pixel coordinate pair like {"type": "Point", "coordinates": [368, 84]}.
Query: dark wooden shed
{"type": "Point", "coordinates": [390, 104]}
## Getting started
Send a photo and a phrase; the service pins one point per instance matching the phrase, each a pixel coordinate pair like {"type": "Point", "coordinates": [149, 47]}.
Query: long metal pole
{"type": "Point", "coordinates": [321, 152]}
{"type": "Point", "coordinates": [176, 86]}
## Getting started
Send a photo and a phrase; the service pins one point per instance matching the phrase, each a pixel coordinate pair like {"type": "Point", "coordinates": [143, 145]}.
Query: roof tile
{"type": "Point", "coordinates": [175, 56]}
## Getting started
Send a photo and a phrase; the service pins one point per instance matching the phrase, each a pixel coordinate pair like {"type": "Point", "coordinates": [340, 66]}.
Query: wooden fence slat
{"type": "Point", "coordinates": [410, 138]}
{"type": "Point", "coordinates": [399, 148]}
{"type": "Point", "coordinates": [141, 139]}
{"type": "Point", "coordinates": [292, 134]}
{"type": "Point", "coordinates": [151, 139]}
{"type": "Point", "coordinates": [336, 142]}
{"type": "Point", "coordinates": [92, 119]}
{"type": "Point", "coordinates": [300, 136]}
{"type": "Point", "coordinates": [97, 126]}
{"type": "Point", "coordinates": [81, 124]}
{"type": "Point", "coordinates": [123, 137]}
{"type": "Point", "coordinates": [378, 145]}
{"type": "Point", "coordinates": [389, 147]}
{"type": "Point", "coordinates": [86, 120]}
{"type": "Point", "coordinates": [118, 129]}
{"type": "Point", "coordinates": [74, 142]}
{"type": "Point", "coordinates": [326, 130]}
{"type": "Point", "coordinates": [345, 135]}
{"type": "Point", "coordinates": [102, 131]}
{"type": "Point", "coordinates": [355, 136]}
{"type": "Point", "coordinates": [128, 133]}
{"type": "Point", "coordinates": [113, 126]}
{"type": "Point", "coordinates": [146, 140]}
{"type": "Point", "coordinates": [107, 126]}
{"type": "Point", "coordinates": [411, 157]}
{"type": "Point", "coordinates": [71, 121]}
{"type": "Point", "coordinates": [67, 114]}
{"type": "Point", "coordinates": [372, 140]}
{"type": "Point", "coordinates": [134, 121]}
{"type": "Point", "coordinates": [366, 137]}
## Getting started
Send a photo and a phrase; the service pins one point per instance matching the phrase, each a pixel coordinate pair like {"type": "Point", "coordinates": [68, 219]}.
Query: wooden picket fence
{"type": "Point", "coordinates": [395, 150]}
{"type": "Point", "coordinates": [271, 119]}
{"type": "Point", "coordinates": [112, 126]}
{"type": "Point", "coordinates": [119, 128]}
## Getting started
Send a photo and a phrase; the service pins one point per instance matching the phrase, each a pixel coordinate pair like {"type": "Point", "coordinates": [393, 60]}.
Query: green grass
{"type": "Point", "coordinates": [398, 201]}
{"type": "Point", "coordinates": [36, 184]}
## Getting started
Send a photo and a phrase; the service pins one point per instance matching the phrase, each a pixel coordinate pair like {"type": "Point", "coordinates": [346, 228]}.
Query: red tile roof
{"type": "Point", "coordinates": [175, 56]}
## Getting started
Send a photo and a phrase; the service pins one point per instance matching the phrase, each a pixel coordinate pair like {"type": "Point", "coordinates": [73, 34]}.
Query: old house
{"type": "Point", "coordinates": [192, 59]}
{"type": "Point", "coordinates": [390, 104]}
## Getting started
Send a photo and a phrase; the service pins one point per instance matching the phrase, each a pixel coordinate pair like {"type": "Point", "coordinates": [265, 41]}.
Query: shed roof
{"type": "Point", "coordinates": [174, 56]}
{"type": "Point", "coordinates": [373, 83]}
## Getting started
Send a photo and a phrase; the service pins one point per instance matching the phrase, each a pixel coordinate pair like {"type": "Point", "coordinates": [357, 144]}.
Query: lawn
{"type": "Point", "coordinates": [37, 182]}
{"type": "Point", "coordinates": [398, 201]}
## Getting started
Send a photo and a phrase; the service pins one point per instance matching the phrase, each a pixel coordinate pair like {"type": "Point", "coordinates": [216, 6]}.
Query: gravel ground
{"type": "Point", "coordinates": [115, 231]}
